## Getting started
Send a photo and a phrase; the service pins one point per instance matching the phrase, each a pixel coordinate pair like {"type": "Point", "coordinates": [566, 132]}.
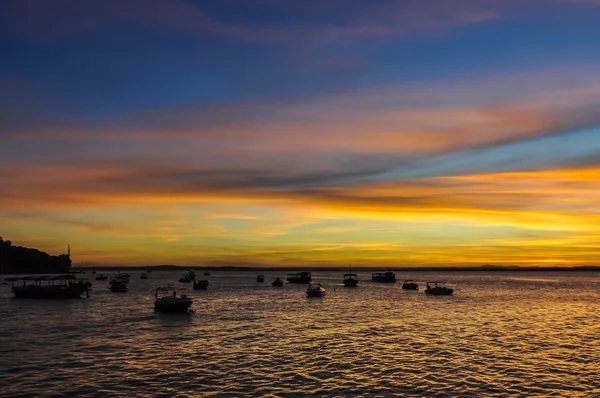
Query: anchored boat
{"type": "Point", "coordinates": [49, 287]}
{"type": "Point", "coordinates": [166, 301]}
{"type": "Point", "coordinates": [409, 284]}
{"type": "Point", "coordinates": [278, 282]}
{"type": "Point", "coordinates": [384, 277]}
{"type": "Point", "coordinates": [300, 277]}
{"type": "Point", "coordinates": [202, 284]}
{"type": "Point", "coordinates": [438, 289]}
{"type": "Point", "coordinates": [315, 290]}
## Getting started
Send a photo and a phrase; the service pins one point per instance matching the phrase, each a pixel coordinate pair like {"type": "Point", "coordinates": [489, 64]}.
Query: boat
{"type": "Point", "coordinates": [118, 285]}
{"type": "Point", "coordinates": [409, 284]}
{"type": "Point", "coordinates": [143, 275]}
{"type": "Point", "coordinates": [315, 290]}
{"type": "Point", "coordinates": [190, 276]}
{"type": "Point", "coordinates": [166, 301]}
{"type": "Point", "coordinates": [384, 277]}
{"type": "Point", "coordinates": [122, 276]}
{"type": "Point", "coordinates": [49, 287]}
{"type": "Point", "coordinates": [438, 289]}
{"type": "Point", "coordinates": [300, 277]}
{"type": "Point", "coordinates": [350, 279]}
{"type": "Point", "coordinates": [100, 277]}
{"type": "Point", "coordinates": [202, 284]}
{"type": "Point", "coordinates": [278, 282]}
{"type": "Point", "coordinates": [260, 278]}
{"type": "Point", "coordinates": [206, 273]}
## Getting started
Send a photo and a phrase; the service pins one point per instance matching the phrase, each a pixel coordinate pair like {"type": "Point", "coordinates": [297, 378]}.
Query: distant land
{"type": "Point", "coordinates": [25, 260]}
{"type": "Point", "coordinates": [485, 268]}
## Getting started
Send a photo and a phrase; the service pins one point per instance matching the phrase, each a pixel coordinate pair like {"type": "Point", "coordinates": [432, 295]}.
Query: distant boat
{"type": "Point", "coordinates": [122, 276]}
{"type": "Point", "coordinates": [118, 285]}
{"type": "Point", "coordinates": [438, 289]}
{"type": "Point", "coordinates": [166, 301]}
{"type": "Point", "coordinates": [301, 277]}
{"type": "Point", "coordinates": [260, 278]}
{"type": "Point", "coordinates": [409, 284]}
{"type": "Point", "coordinates": [384, 277]}
{"type": "Point", "coordinates": [350, 279]}
{"type": "Point", "coordinates": [315, 290]}
{"type": "Point", "coordinates": [278, 282]}
{"type": "Point", "coordinates": [188, 277]}
{"type": "Point", "coordinates": [206, 273]}
{"type": "Point", "coordinates": [100, 277]}
{"type": "Point", "coordinates": [202, 284]}
{"type": "Point", "coordinates": [49, 287]}
{"type": "Point", "coordinates": [143, 275]}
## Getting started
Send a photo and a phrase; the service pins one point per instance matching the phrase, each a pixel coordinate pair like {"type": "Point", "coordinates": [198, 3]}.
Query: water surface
{"type": "Point", "coordinates": [500, 334]}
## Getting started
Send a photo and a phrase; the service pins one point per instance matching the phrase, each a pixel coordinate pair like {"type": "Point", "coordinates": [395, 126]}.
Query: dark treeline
{"type": "Point", "coordinates": [485, 268]}
{"type": "Point", "coordinates": [24, 260]}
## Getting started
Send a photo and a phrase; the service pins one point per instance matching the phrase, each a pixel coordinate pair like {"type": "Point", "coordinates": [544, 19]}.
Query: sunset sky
{"type": "Point", "coordinates": [302, 133]}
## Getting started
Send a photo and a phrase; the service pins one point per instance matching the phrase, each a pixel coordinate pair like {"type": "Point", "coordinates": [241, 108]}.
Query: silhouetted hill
{"type": "Point", "coordinates": [24, 260]}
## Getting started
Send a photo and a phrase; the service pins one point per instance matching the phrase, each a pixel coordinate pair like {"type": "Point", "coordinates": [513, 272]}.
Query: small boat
{"type": "Point", "coordinates": [206, 273]}
{"type": "Point", "coordinates": [118, 285]}
{"type": "Point", "coordinates": [100, 277]}
{"type": "Point", "coordinates": [315, 290]}
{"type": "Point", "coordinates": [260, 278]}
{"type": "Point", "coordinates": [143, 275]}
{"type": "Point", "coordinates": [94, 271]}
{"type": "Point", "coordinates": [438, 289]}
{"type": "Point", "coordinates": [49, 287]}
{"type": "Point", "coordinates": [409, 284]}
{"type": "Point", "coordinates": [166, 301]}
{"type": "Point", "coordinates": [384, 277]}
{"type": "Point", "coordinates": [300, 277]}
{"type": "Point", "coordinates": [122, 276]}
{"type": "Point", "coordinates": [202, 284]}
{"type": "Point", "coordinates": [278, 282]}
{"type": "Point", "coordinates": [190, 276]}
{"type": "Point", "coordinates": [350, 279]}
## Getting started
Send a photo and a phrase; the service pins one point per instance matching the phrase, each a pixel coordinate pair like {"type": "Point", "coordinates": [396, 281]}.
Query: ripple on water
{"type": "Point", "coordinates": [500, 335]}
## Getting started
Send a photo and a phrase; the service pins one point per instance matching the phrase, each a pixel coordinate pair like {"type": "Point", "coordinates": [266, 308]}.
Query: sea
{"type": "Point", "coordinates": [501, 334]}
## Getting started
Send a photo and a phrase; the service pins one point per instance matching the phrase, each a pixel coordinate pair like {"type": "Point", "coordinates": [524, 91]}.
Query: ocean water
{"type": "Point", "coordinates": [501, 334]}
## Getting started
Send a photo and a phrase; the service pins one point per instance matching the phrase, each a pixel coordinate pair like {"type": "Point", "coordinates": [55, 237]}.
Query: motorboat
{"type": "Point", "coordinates": [278, 282]}
{"type": "Point", "coordinates": [118, 285]}
{"type": "Point", "coordinates": [438, 289]}
{"type": "Point", "coordinates": [166, 301]}
{"type": "Point", "coordinates": [202, 284]}
{"type": "Point", "coordinates": [143, 275]}
{"type": "Point", "coordinates": [260, 278]}
{"type": "Point", "coordinates": [100, 277]}
{"type": "Point", "coordinates": [350, 279]}
{"type": "Point", "coordinates": [188, 277]}
{"type": "Point", "coordinates": [49, 287]}
{"type": "Point", "coordinates": [315, 290]}
{"type": "Point", "coordinates": [301, 277]}
{"type": "Point", "coordinates": [384, 277]}
{"type": "Point", "coordinates": [122, 276]}
{"type": "Point", "coordinates": [206, 273]}
{"type": "Point", "coordinates": [409, 284]}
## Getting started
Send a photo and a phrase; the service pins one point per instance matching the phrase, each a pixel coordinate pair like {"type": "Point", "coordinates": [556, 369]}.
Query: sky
{"type": "Point", "coordinates": [302, 133]}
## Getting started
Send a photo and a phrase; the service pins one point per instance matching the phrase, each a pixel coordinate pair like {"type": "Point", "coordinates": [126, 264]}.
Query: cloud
{"type": "Point", "coordinates": [60, 18]}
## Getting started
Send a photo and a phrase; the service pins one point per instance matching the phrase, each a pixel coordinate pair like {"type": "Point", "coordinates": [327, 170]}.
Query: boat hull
{"type": "Point", "coordinates": [351, 283]}
{"type": "Point", "coordinates": [439, 291]}
{"type": "Point", "coordinates": [410, 286]}
{"type": "Point", "coordinates": [384, 280]}
{"type": "Point", "coordinates": [172, 307]}
{"type": "Point", "coordinates": [71, 292]}
{"type": "Point", "coordinates": [201, 285]}
{"type": "Point", "coordinates": [315, 294]}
